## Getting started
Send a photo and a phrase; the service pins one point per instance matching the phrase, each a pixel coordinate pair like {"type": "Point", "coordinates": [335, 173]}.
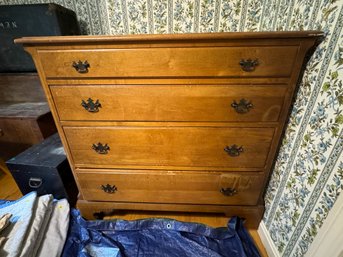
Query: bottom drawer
{"type": "Point", "coordinates": [170, 187]}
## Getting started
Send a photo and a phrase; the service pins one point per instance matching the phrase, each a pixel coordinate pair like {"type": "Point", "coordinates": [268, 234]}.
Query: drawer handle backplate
{"type": "Point", "coordinates": [81, 67]}
{"type": "Point", "coordinates": [243, 106]}
{"type": "Point", "coordinates": [233, 150]}
{"type": "Point", "coordinates": [248, 65]}
{"type": "Point", "coordinates": [228, 191]}
{"type": "Point", "coordinates": [100, 148]}
{"type": "Point", "coordinates": [109, 189]}
{"type": "Point", "coordinates": [90, 105]}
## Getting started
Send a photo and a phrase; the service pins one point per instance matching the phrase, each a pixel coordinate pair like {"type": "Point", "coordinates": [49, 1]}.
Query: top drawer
{"type": "Point", "coordinates": [259, 61]}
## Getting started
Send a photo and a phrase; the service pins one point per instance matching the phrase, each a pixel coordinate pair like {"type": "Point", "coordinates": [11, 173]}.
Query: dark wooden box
{"type": "Point", "coordinates": [44, 168]}
{"type": "Point", "coordinates": [31, 20]}
{"type": "Point", "coordinates": [25, 117]}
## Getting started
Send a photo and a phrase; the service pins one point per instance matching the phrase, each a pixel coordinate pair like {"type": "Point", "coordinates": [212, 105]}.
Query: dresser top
{"type": "Point", "coordinates": [169, 37]}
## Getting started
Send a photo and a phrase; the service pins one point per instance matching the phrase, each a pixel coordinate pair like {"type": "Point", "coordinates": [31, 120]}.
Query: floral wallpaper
{"type": "Point", "coordinates": [308, 175]}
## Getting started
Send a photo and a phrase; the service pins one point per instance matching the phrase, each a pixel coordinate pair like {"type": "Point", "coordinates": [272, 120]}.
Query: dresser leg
{"type": "Point", "coordinates": [99, 215]}
{"type": "Point", "coordinates": [252, 215]}
{"type": "Point", "coordinates": [91, 211]}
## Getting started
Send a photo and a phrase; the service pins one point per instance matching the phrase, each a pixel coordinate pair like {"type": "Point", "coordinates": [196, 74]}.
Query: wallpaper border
{"type": "Point", "coordinates": [267, 241]}
{"type": "Point", "coordinates": [316, 193]}
{"type": "Point", "coordinates": [314, 14]}
{"type": "Point", "coordinates": [306, 117]}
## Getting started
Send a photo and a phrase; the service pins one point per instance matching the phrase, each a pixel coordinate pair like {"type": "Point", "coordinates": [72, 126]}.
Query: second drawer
{"type": "Point", "coordinates": [220, 147]}
{"type": "Point", "coordinates": [170, 187]}
{"type": "Point", "coordinates": [169, 102]}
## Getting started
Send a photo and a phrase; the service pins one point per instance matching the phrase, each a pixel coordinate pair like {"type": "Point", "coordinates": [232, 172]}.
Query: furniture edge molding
{"type": "Point", "coordinates": [267, 241]}
{"type": "Point", "coordinates": [168, 37]}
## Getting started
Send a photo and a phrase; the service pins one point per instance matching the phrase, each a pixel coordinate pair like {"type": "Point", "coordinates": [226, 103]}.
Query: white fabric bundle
{"type": "Point", "coordinates": [38, 226]}
{"type": "Point", "coordinates": [56, 232]}
{"type": "Point", "coordinates": [4, 222]}
{"type": "Point", "coordinates": [41, 214]}
{"type": "Point", "coordinates": [22, 216]}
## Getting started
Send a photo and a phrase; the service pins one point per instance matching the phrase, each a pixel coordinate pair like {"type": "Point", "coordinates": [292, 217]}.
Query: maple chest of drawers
{"type": "Point", "coordinates": [187, 122]}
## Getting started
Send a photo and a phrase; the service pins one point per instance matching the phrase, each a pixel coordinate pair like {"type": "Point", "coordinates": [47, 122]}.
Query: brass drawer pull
{"type": "Point", "coordinates": [109, 189]}
{"type": "Point", "coordinates": [248, 65]}
{"type": "Point", "coordinates": [81, 67]}
{"type": "Point", "coordinates": [228, 191]}
{"type": "Point", "coordinates": [100, 148]}
{"type": "Point", "coordinates": [233, 150]}
{"type": "Point", "coordinates": [91, 106]}
{"type": "Point", "coordinates": [243, 106]}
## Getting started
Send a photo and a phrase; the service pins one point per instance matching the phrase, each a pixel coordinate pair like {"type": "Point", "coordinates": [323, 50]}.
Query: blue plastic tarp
{"type": "Point", "coordinates": [4, 201]}
{"type": "Point", "coordinates": [156, 237]}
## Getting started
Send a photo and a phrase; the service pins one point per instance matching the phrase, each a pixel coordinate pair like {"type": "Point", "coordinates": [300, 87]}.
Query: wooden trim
{"type": "Point", "coordinates": [4, 168]}
{"type": "Point", "coordinates": [328, 241]}
{"type": "Point", "coordinates": [169, 124]}
{"type": "Point", "coordinates": [267, 82]}
{"type": "Point", "coordinates": [169, 37]}
{"type": "Point", "coordinates": [252, 214]}
{"type": "Point", "coordinates": [267, 241]}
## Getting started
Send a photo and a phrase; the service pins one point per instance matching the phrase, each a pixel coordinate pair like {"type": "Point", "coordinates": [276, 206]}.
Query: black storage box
{"type": "Point", "coordinates": [30, 20]}
{"type": "Point", "coordinates": [44, 168]}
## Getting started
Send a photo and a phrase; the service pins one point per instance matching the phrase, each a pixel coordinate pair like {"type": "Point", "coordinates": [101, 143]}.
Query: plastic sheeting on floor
{"type": "Point", "coordinates": [156, 237]}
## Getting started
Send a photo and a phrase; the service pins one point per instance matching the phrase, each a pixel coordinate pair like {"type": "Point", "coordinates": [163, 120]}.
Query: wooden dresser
{"type": "Point", "coordinates": [188, 122]}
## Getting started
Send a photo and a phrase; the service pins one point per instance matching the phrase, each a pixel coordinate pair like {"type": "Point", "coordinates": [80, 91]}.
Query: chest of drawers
{"type": "Point", "coordinates": [172, 122]}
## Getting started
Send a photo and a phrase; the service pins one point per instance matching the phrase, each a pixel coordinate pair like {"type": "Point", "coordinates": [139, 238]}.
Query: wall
{"type": "Point", "coordinates": [308, 175]}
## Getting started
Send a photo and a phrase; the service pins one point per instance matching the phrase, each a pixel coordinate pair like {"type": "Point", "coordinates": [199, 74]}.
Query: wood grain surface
{"type": "Point", "coordinates": [275, 61]}
{"type": "Point", "coordinates": [170, 146]}
{"type": "Point", "coordinates": [166, 106]}
{"type": "Point", "coordinates": [170, 186]}
{"type": "Point", "coordinates": [211, 103]}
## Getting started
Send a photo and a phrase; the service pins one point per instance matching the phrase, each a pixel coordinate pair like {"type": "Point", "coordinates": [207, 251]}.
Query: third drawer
{"type": "Point", "coordinates": [218, 147]}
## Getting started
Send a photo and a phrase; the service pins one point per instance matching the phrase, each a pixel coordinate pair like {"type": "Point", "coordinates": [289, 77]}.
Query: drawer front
{"type": "Point", "coordinates": [169, 102]}
{"type": "Point", "coordinates": [169, 146]}
{"type": "Point", "coordinates": [170, 187]}
{"type": "Point", "coordinates": [170, 62]}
